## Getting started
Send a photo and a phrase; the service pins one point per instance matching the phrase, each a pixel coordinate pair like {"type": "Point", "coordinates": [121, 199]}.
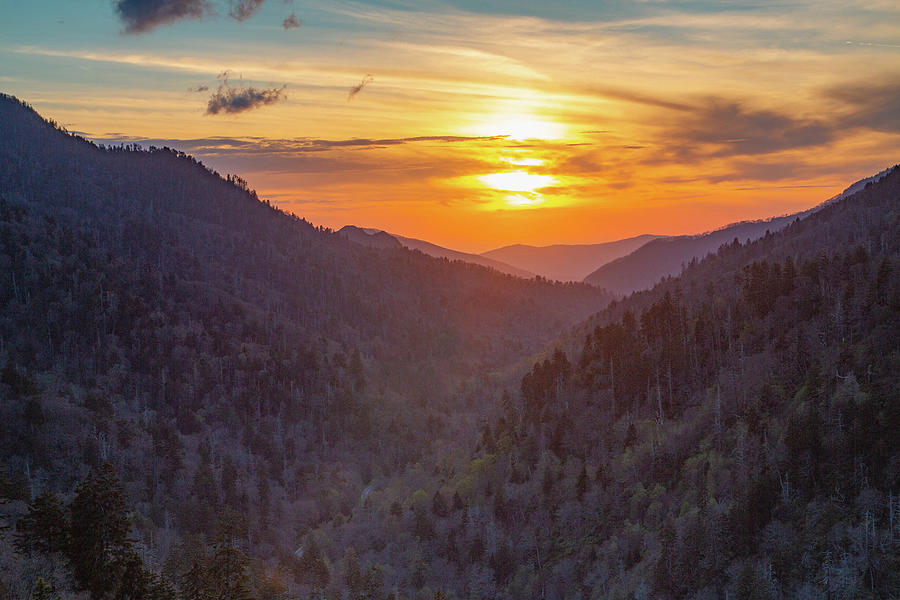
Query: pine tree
{"type": "Point", "coordinates": [312, 568]}
{"type": "Point", "coordinates": [137, 583]}
{"type": "Point", "coordinates": [749, 585]}
{"type": "Point", "coordinates": [41, 590]}
{"type": "Point", "coordinates": [582, 486]}
{"type": "Point", "coordinates": [44, 528]}
{"type": "Point", "coordinates": [98, 534]}
{"type": "Point", "coordinates": [439, 505]}
{"type": "Point", "coordinates": [193, 583]}
{"type": "Point", "coordinates": [227, 571]}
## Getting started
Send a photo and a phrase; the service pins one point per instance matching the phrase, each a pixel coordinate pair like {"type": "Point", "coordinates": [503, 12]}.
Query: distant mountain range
{"type": "Point", "coordinates": [665, 257]}
{"type": "Point", "coordinates": [622, 266]}
{"type": "Point", "coordinates": [567, 262]}
{"type": "Point", "coordinates": [376, 238]}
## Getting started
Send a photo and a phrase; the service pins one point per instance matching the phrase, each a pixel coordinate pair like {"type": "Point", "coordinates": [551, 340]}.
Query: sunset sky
{"type": "Point", "coordinates": [479, 124]}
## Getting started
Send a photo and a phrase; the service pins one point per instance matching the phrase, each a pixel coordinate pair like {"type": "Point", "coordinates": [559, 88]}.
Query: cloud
{"type": "Point", "coordinates": [140, 16]}
{"type": "Point", "coordinates": [874, 105]}
{"type": "Point", "coordinates": [728, 128]}
{"type": "Point", "coordinates": [292, 22]}
{"type": "Point", "coordinates": [199, 88]}
{"type": "Point", "coordinates": [243, 9]}
{"type": "Point", "coordinates": [233, 100]}
{"type": "Point", "coordinates": [359, 87]}
{"type": "Point", "coordinates": [269, 146]}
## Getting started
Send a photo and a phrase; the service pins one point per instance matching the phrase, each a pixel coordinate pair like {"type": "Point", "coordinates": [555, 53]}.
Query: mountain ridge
{"type": "Point", "coordinates": [378, 238]}
{"type": "Point", "coordinates": [567, 262]}
{"type": "Point", "coordinates": [659, 258]}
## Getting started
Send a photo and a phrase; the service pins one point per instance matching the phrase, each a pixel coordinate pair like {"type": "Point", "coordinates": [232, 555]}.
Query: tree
{"type": "Point", "coordinates": [193, 582]}
{"type": "Point", "coordinates": [630, 436]}
{"type": "Point", "coordinates": [227, 570]}
{"type": "Point", "coordinates": [749, 585]}
{"type": "Point", "coordinates": [41, 590]}
{"type": "Point", "coordinates": [312, 568]}
{"type": "Point", "coordinates": [98, 543]}
{"type": "Point", "coordinates": [45, 527]}
{"type": "Point", "coordinates": [582, 486]}
{"type": "Point", "coordinates": [439, 505]}
{"type": "Point", "coordinates": [137, 583]}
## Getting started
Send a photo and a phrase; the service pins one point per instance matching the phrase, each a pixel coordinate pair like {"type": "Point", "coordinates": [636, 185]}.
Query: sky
{"type": "Point", "coordinates": [475, 125]}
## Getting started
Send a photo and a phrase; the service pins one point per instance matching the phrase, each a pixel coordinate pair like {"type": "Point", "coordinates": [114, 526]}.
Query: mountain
{"type": "Point", "coordinates": [855, 187]}
{"type": "Point", "coordinates": [441, 252]}
{"type": "Point", "coordinates": [204, 397]}
{"type": "Point", "coordinates": [663, 257]}
{"type": "Point", "coordinates": [219, 375]}
{"type": "Point", "coordinates": [377, 238]}
{"type": "Point", "coordinates": [370, 239]}
{"type": "Point", "coordinates": [729, 433]}
{"type": "Point", "coordinates": [562, 262]}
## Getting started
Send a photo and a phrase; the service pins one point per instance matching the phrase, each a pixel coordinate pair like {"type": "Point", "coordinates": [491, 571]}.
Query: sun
{"type": "Point", "coordinates": [527, 128]}
{"type": "Point", "coordinates": [518, 126]}
{"type": "Point", "coordinates": [517, 181]}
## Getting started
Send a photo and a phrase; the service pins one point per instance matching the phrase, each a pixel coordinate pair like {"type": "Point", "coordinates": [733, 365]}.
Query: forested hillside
{"type": "Point", "coordinates": [730, 433]}
{"type": "Point", "coordinates": [233, 367]}
{"type": "Point", "coordinates": [664, 257]}
{"type": "Point", "coordinates": [202, 397]}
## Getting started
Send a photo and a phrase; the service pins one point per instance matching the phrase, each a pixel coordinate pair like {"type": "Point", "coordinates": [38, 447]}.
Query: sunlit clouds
{"type": "Point", "coordinates": [477, 129]}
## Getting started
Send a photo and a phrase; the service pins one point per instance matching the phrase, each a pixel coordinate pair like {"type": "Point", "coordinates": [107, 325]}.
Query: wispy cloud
{"type": "Point", "coordinates": [359, 87]}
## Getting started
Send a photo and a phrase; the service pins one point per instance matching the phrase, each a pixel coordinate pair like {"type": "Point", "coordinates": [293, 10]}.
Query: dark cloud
{"type": "Point", "coordinates": [874, 105]}
{"type": "Point", "coordinates": [292, 22]}
{"type": "Point", "coordinates": [632, 96]}
{"type": "Point", "coordinates": [728, 128]}
{"type": "Point", "coordinates": [143, 15]}
{"type": "Point", "coordinates": [199, 88]}
{"type": "Point", "coordinates": [243, 9]}
{"type": "Point", "coordinates": [359, 87]}
{"type": "Point", "coordinates": [233, 100]}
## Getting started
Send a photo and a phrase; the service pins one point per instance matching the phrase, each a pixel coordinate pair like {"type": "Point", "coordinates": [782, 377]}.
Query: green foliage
{"type": "Point", "coordinates": [41, 590]}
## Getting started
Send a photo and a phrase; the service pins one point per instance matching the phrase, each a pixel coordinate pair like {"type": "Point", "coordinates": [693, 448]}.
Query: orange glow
{"type": "Point", "coordinates": [522, 128]}
{"type": "Point", "coordinates": [481, 130]}
{"type": "Point", "coordinates": [524, 162]}
{"type": "Point", "coordinates": [517, 181]}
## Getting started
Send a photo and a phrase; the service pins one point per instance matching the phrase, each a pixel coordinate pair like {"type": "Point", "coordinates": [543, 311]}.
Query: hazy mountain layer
{"type": "Point", "coordinates": [664, 257]}
{"type": "Point", "coordinates": [566, 262]}
{"type": "Point", "coordinates": [375, 238]}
